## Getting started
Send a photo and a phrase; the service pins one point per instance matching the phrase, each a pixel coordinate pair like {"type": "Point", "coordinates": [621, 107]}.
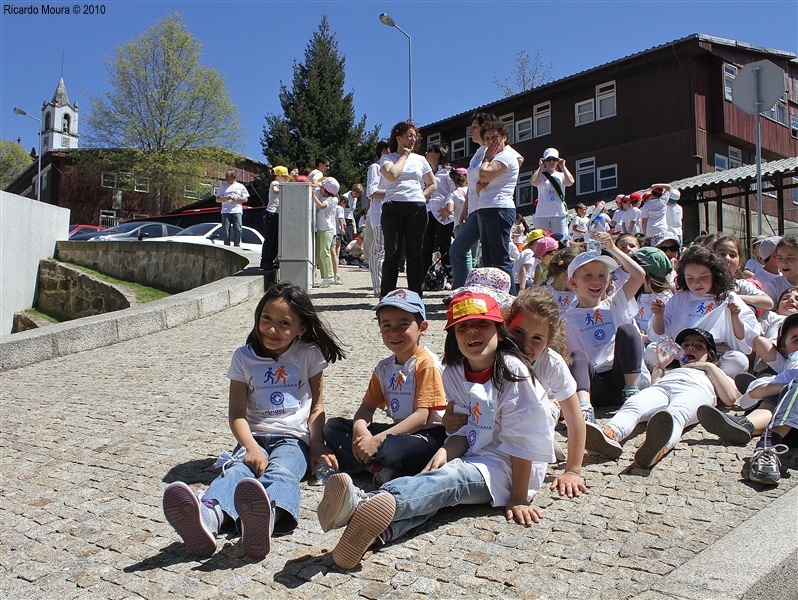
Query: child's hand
{"type": "Point", "coordinates": [365, 447]}
{"type": "Point", "coordinates": [605, 239]}
{"type": "Point", "coordinates": [437, 461]}
{"type": "Point", "coordinates": [734, 310]}
{"type": "Point", "coordinates": [256, 460]}
{"type": "Point", "coordinates": [523, 513]}
{"type": "Point", "coordinates": [451, 421]}
{"type": "Point", "coordinates": [657, 307]}
{"type": "Point", "coordinates": [323, 453]}
{"type": "Point", "coordinates": [569, 484]}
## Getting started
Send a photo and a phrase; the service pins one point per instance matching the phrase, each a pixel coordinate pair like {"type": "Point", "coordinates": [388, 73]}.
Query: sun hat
{"type": "Point", "coordinates": [282, 171]}
{"type": "Point", "coordinates": [488, 280]}
{"type": "Point", "coordinates": [588, 257]}
{"type": "Point", "coordinates": [661, 238]}
{"type": "Point", "coordinates": [768, 246]}
{"type": "Point", "coordinates": [406, 300]}
{"type": "Point", "coordinates": [533, 235]}
{"type": "Point", "coordinates": [703, 333]}
{"type": "Point", "coordinates": [635, 197]}
{"type": "Point", "coordinates": [550, 153]}
{"type": "Point", "coordinates": [654, 261]}
{"type": "Point", "coordinates": [331, 185]}
{"type": "Point", "coordinates": [544, 246]}
{"type": "Point", "coordinates": [468, 306]}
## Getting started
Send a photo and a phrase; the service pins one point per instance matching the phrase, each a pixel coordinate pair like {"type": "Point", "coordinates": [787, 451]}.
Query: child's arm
{"type": "Point", "coordinates": [764, 348]}
{"type": "Point", "coordinates": [636, 273]}
{"type": "Point", "coordinates": [518, 507]}
{"type": "Point", "coordinates": [360, 429]}
{"type": "Point", "coordinates": [255, 458]}
{"type": "Point", "coordinates": [522, 276]}
{"type": "Point", "coordinates": [538, 274]}
{"type": "Point", "coordinates": [454, 447]}
{"type": "Point", "coordinates": [318, 449]}
{"type": "Point", "coordinates": [369, 445]}
{"type": "Point", "coordinates": [737, 325]}
{"type": "Point", "coordinates": [570, 482]}
{"type": "Point", "coordinates": [451, 420]}
{"type": "Point", "coordinates": [769, 389]}
{"type": "Point", "coordinates": [658, 318]}
{"type": "Point", "coordinates": [725, 389]}
{"type": "Point", "coordinates": [760, 301]}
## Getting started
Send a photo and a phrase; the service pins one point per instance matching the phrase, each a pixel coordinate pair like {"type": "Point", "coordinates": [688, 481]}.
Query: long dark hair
{"type": "Point", "coordinates": [315, 331]}
{"type": "Point", "coordinates": [399, 129]}
{"type": "Point", "coordinates": [722, 279]}
{"type": "Point", "coordinates": [506, 347]}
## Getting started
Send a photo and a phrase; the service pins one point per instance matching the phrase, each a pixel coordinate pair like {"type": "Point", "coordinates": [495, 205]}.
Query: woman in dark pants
{"type": "Point", "coordinates": [440, 222]}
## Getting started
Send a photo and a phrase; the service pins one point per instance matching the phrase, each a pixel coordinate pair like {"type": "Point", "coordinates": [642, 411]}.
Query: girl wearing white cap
{"type": "Point", "coordinates": [551, 179]}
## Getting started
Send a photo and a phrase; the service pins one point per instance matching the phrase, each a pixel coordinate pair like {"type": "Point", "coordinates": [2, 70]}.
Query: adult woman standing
{"type": "Point", "coordinates": [404, 211]}
{"type": "Point", "coordinates": [551, 179]}
{"type": "Point", "coordinates": [498, 174]}
{"type": "Point", "coordinates": [440, 222]}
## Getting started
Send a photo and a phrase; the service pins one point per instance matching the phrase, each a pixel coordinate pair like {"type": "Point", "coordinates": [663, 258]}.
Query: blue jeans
{"type": "Point", "coordinates": [408, 452]}
{"type": "Point", "coordinates": [231, 221]}
{"type": "Point", "coordinates": [553, 224]}
{"type": "Point", "coordinates": [460, 252]}
{"type": "Point", "coordinates": [494, 233]}
{"type": "Point", "coordinates": [288, 463]}
{"type": "Point", "coordinates": [418, 498]}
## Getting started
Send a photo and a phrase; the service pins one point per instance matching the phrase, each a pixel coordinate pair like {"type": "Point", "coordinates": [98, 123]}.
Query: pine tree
{"type": "Point", "coordinates": [318, 117]}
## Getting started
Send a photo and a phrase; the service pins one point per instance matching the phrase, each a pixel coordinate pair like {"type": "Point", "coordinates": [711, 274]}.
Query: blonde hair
{"type": "Point", "coordinates": [542, 304]}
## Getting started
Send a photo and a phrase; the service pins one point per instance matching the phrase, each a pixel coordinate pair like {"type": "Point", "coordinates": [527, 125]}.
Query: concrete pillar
{"type": "Point", "coordinates": [297, 220]}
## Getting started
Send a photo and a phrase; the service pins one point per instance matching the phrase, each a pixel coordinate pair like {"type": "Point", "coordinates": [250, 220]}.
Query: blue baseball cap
{"type": "Point", "coordinates": [407, 300]}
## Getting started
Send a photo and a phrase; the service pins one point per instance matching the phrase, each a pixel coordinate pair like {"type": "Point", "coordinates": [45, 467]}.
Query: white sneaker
{"type": "Point", "coordinates": [337, 280]}
{"type": "Point", "coordinates": [340, 501]}
{"type": "Point", "coordinates": [325, 283]}
{"type": "Point", "coordinates": [256, 511]}
{"type": "Point", "coordinates": [190, 518]}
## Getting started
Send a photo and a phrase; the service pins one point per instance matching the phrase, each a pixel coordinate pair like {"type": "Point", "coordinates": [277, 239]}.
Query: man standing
{"type": "Point", "coordinates": [232, 196]}
{"type": "Point", "coordinates": [322, 166]}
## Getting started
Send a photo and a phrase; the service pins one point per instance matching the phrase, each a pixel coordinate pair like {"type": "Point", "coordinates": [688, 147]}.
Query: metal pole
{"type": "Point", "coordinates": [409, 69]}
{"type": "Point", "coordinates": [19, 111]}
{"type": "Point", "coordinates": [758, 109]}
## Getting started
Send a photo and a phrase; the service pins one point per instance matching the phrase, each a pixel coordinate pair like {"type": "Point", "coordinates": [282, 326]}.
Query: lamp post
{"type": "Point", "coordinates": [385, 19]}
{"type": "Point", "coordinates": [19, 111]}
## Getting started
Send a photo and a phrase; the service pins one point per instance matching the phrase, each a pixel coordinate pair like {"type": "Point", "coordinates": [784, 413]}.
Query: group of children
{"type": "Point", "coordinates": [478, 426]}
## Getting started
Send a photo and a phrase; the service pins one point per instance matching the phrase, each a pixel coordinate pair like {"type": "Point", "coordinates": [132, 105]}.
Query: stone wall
{"type": "Point", "coordinates": [66, 293]}
{"type": "Point", "coordinates": [170, 266]}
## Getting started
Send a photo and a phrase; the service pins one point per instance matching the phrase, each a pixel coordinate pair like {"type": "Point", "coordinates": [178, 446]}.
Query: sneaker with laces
{"type": "Point", "coordinates": [765, 466]}
{"type": "Point", "coordinates": [340, 501]}
{"type": "Point", "coordinates": [658, 431]}
{"type": "Point", "coordinates": [735, 430]}
{"type": "Point", "coordinates": [370, 519]}
{"type": "Point", "coordinates": [192, 520]}
{"type": "Point", "coordinates": [597, 441]}
{"type": "Point", "coordinates": [325, 283]}
{"type": "Point", "coordinates": [256, 511]}
{"type": "Point", "coordinates": [337, 280]}
{"type": "Point", "coordinates": [589, 414]}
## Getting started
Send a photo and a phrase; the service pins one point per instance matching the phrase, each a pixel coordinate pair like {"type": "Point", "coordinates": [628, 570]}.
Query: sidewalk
{"type": "Point", "coordinates": [89, 441]}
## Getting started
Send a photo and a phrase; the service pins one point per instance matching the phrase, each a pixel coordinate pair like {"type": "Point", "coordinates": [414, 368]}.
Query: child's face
{"type": "Point", "coordinates": [531, 332]}
{"type": "Point", "coordinates": [788, 304]}
{"type": "Point", "coordinates": [787, 260]}
{"type": "Point", "coordinates": [628, 245]}
{"type": "Point", "coordinates": [790, 341]}
{"type": "Point", "coordinates": [591, 282]}
{"type": "Point", "coordinates": [729, 255]}
{"type": "Point", "coordinates": [477, 340]}
{"type": "Point", "coordinates": [400, 331]}
{"type": "Point", "coordinates": [546, 258]}
{"type": "Point", "coordinates": [695, 348]}
{"type": "Point", "coordinates": [278, 326]}
{"type": "Point", "coordinates": [698, 278]}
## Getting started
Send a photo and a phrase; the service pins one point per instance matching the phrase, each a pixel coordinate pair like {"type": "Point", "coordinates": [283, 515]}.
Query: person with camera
{"type": "Point", "coordinates": [551, 178]}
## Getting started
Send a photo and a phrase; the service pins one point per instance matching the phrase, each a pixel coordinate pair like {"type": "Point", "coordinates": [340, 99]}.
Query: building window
{"type": "Point", "coordinates": [777, 113]}
{"type": "Point", "coordinates": [584, 112]}
{"type": "Point", "coordinates": [523, 189]}
{"type": "Point", "coordinates": [433, 138]}
{"type": "Point", "coordinates": [65, 124]}
{"type": "Point", "coordinates": [47, 121]}
{"type": "Point", "coordinates": [470, 145]}
{"type": "Point", "coordinates": [729, 73]}
{"type": "Point", "coordinates": [721, 163]}
{"type": "Point", "coordinates": [509, 121]}
{"type": "Point", "coordinates": [794, 127]}
{"type": "Point", "coordinates": [542, 113]}
{"type": "Point", "coordinates": [108, 180]}
{"type": "Point", "coordinates": [585, 176]}
{"type": "Point", "coordinates": [605, 100]}
{"type": "Point", "coordinates": [523, 130]}
{"type": "Point", "coordinates": [142, 184]}
{"type": "Point", "coordinates": [735, 157]}
{"type": "Point", "coordinates": [607, 177]}
{"type": "Point", "coordinates": [458, 149]}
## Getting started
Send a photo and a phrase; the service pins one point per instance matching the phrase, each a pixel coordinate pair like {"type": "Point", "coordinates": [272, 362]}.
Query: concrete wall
{"type": "Point", "coordinates": [169, 266]}
{"type": "Point", "coordinates": [28, 233]}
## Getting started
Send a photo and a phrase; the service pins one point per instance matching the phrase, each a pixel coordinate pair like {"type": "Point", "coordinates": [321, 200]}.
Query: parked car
{"type": "Point", "coordinates": [131, 231]}
{"type": "Point", "coordinates": [211, 234]}
{"type": "Point", "coordinates": [81, 229]}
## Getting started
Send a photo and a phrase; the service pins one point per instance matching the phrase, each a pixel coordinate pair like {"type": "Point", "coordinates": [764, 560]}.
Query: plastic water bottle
{"type": "Point", "coordinates": [668, 351]}
{"type": "Point", "coordinates": [593, 246]}
{"type": "Point", "coordinates": [323, 471]}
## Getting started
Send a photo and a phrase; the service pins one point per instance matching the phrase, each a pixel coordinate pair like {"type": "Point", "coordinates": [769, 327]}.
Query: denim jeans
{"type": "Point", "coordinates": [494, 234]}
{"type": "Point", "coordinates": [418, 498]}
{"type": "Point", "coordinates": [268, 256]}
{"type": "Point", "coordinates": [408, 452]}
{"type": "Point", "coordinates": [288, 463]}
{"type": "Point", "coordinates": [461, 250]}
{"type": "Point", "coordinates": [231, 221]}
{"type": "Point", "coordinates": [403, 226]}
{"type": "Point", "coordinates": [553, 224]}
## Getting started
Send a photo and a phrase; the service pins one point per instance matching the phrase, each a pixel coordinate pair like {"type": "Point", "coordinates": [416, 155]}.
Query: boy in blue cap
{"type": "Point", "coordinates": [408, 386]}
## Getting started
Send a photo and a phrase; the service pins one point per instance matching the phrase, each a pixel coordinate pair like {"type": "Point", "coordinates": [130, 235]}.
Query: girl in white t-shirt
{"type": "Point", "coordinates": [558, 285]}
{"type": "Point", "coordinates": [499, 456]}
{"type": "Point", "coordinates": [276, 414]}
{"type": "Point", "coordinates": [729, 249]}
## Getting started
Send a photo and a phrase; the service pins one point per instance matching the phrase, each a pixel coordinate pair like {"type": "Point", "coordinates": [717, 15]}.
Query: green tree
{"type": "Point", "coordinates": [318, 117]}
{"type": "Point", "coordinates": [529, 73]}
{"type": "Point", "coordinates": [170, 111]}
{"type": "Point", "coordinates": [13, 160]}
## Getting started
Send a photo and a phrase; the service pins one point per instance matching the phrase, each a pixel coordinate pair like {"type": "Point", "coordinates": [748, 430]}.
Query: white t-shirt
{"type": "Point", "coordinates": [473, 175]}
{"type": "Point", "coordinates": [565, 300]}
{"type": "Point", "coordinates": [351, 203]}
{"type": "Point", "coordinates": [234, 190]}
{"type": "Point", "coordinates": [410, 185]}
{"type": "Point", "coordinates": [549, 202]}
{"type": "Point", "coordinates": [554, 375]}
{"type": "Point", "coordinates": [776, 287]}
{"type": "Point", "coordinates": [279, 395]}
{"type": "Point", "coordinates": [631, 221]}
{"type": "Point", "coordinates": [512, 421]}
{"type": "Point", "coordinates": [577, 229]}
{"type": "Point", "coordinates": [458, 197]}
{"type": "Point", "coordinates": [274, 198]}
{"type": "Point", "coordinates": [440, 196]}
{"type": "Point", "coordinates": [527, 257]}
{"type": "Point", "coordinates": [644, 314]}
{"type": "Point", "coordinates": [315, 175]}
{"type": "Point", "coordinates": [673, 217]}
{"type": "Point", "coordinates": [325, 217]}
{"type": "Point", "coordinates": [340, 215]}
{"type": "Point", "coordinates": [764, 277]}
{"type": "Point", "coordinates": [500, 192]}
{"type": "Point", "coordinates": [654, 210]}
{"type": "Point", "coordinates": [375, 181]}
{"type": "Point", "coordinates": [617, 216]}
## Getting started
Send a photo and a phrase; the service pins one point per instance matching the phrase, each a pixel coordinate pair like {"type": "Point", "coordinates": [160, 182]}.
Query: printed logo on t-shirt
{"type": "Point", "coordinates": [564, 299]}
{"type": "Point", "coordinates": [697, 310]}
{"type": "Point", "coordinates": [479, 430]}
{"type": "Point", "coordinates": [597, 327]}
{"type": "Point", "coordinates": [277, 392]}
{"type": "Point", "coordinates": [400, 394]}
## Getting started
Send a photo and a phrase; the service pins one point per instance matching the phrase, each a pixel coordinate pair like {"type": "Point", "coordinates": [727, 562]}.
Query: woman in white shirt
{"type": "Point", "coordinates": [404, 210]}
{"type": "Point", "coordinates": [550, 214]}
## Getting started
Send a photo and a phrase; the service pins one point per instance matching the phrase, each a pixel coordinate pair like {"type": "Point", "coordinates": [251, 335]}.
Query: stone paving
{"type": "Point", "coordinates": [90, 440]}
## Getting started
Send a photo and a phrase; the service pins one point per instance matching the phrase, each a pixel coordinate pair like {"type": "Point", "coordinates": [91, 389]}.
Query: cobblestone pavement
{"type": "Point", "coordinates": [90, 440]}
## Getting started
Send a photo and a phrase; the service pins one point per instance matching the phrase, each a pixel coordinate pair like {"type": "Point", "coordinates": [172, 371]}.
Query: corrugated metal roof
{"type": "Point", "coordinates": [701, 37]}
{"type": "Point", "coordinates": [734, 175]}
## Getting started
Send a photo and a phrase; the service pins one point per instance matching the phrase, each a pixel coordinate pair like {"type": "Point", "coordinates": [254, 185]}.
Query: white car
{"type": "Point", "coordinates": [211, 234]}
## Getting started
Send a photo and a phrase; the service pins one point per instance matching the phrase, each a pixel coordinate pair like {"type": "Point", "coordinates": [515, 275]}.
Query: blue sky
{"type": "Point", "coordinates": [458, 48]}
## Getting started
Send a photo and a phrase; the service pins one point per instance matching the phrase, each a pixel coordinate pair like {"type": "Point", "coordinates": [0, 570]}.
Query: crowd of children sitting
{"type": "Point", "coordinates": [671, 336]}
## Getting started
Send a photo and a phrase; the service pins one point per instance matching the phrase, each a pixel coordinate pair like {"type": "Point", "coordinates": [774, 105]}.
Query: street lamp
{"type": "Point", "coordinates": [19, 111]}
{"type": "Point", "coordinates": [385, 19]}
